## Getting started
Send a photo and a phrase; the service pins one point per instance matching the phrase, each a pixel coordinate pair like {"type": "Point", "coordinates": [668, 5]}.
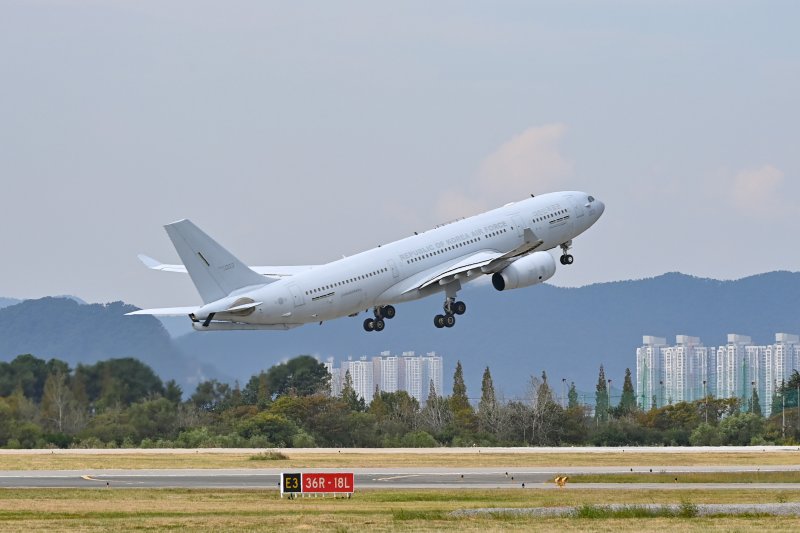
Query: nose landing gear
{"type": "Point", "coordinates": [566, 257]}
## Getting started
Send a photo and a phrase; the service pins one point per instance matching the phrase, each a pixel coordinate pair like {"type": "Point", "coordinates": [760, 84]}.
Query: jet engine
{"type": "Point", "coordinates": [525, 271]}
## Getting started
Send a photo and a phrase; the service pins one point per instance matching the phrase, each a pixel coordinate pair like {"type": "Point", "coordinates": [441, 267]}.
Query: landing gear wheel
{"type": "Point", "coordinates": [389, 312]}
{"type": "Point", "coordinates": [459, 308]}
{"type": "Point", "coordinates": [567, 259]}
{"type": "Point", "coordinates": [438, 321]}
{"type": "Point", "coordinates": [379, 324]}
{"type": "Point", "coordinates": [369, 325]}
{"type": "Point", "coordinates": [449, 321]}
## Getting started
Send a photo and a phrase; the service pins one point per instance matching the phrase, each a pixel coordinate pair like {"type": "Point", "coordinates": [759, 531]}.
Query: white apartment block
{"type": "Point", "coordinates": [649, 376]}
{"type": "Point", "coordinates": [336, 377]}
{"type": "Point", "coordinates": [410, 375]}
{"type": "Point", "coordinates": [432, 368]}
{"type": "Point", "coordinates": [385, 372]}
{"type": "Point", "coordinates": [361, 374]}
{"type": "Point", "coordinates": [688, 371]}
{"type": "Point", "coordinates": [389, 373]}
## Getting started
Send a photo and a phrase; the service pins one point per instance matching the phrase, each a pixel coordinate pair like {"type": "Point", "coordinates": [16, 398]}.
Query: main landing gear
{"type": "Point", "coordinates": [377, 324]}
{"type": "Point", "coordinates": [566, 257]}
{"type": "Point", "coordinates": [451, 309]}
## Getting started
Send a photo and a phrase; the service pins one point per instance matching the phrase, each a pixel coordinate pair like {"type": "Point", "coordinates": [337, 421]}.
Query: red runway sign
{"type": "Point", "coordinates": [318, 483]}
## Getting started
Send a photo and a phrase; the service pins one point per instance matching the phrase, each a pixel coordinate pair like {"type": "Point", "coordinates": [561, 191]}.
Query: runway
{"type": "Point", "coordinates": [375, 478]}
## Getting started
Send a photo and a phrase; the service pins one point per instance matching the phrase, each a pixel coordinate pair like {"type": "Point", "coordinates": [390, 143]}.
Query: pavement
{"type": "Point", "coordinates": [379, 478]}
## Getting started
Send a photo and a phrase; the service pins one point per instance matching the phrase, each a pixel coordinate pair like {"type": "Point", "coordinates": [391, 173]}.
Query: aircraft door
{"type": "Point", "coordinates": [394, 269]}
{"type": "Point", "coordinates": [297, 295]}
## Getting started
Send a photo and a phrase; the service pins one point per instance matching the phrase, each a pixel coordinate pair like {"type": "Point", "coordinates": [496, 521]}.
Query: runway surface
{"type": "Point", "coordinates": [376, 478]}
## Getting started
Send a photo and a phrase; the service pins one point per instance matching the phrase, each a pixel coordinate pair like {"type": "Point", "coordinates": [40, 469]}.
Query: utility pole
{"type": "Point", "coordinates": [661, 382]}
{"type": "Point", "coordinates": [564, 392]}
{"type": "Point", "coordinates": [705, 395]}
{"type": "Point", "coordinates": [783, 415]}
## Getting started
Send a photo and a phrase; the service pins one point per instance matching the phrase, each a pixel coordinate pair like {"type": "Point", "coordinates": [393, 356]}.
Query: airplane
{"type": "Point", "coordinates": [509, 244]}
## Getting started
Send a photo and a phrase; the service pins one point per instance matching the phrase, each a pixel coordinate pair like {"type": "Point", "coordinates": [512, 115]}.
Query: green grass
{"type": "Point", "coordinates": [685, 510]}
{"type": "Point", "coordinates": [689, 477]}
{"type": "Point", "coordinates": [103, 509]}
{"type": "Point", "coordinates": [269, 456]}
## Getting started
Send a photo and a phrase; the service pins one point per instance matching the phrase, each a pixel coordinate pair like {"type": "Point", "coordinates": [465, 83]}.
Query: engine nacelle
{"type": "Point", "coordinates": [535, 268]}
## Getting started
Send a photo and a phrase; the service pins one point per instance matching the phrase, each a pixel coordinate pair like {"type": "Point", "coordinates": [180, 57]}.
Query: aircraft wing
{"type": "Point", "coordinates": [270, 271]}
{"type": "Point", "coordinates": [483, 262]}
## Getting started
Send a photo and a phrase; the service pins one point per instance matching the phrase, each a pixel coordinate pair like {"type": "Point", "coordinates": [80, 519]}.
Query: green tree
{"type": "Point", "coordinates": [741, 429]}
{"type": "Point", "coordinates": [302, 376]}
{"type": "Point", "coordinates": [601, 397]}
{"type": "Point", "coordinates": [463, 414]}
{"type": "Point", "coordinates": [755, 403]}
{"type": "Point", "coordinates": [173, 392]}
{"type": "Point", "coordinates": [349, 395]}
{"type": "Point", "coordinates": [572, 397]}
{"type": "Point", "coordinates": [627, 404]}
{"type": "Point", "coordinates": [211, 395]}
{"type": "Point", "coordinates": [124, 381]}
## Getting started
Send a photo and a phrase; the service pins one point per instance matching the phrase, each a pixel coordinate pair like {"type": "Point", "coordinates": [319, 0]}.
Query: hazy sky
{"type": "Point", "coordinates": [296, 132]}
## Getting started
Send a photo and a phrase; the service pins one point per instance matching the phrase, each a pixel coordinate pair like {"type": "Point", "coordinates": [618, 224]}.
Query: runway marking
{"type": "Point", "coordinates": [397, 477]}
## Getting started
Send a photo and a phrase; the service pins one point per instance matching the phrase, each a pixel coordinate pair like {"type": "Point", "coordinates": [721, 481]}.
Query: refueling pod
{"type": "Point", "coordinates": [529, 270]}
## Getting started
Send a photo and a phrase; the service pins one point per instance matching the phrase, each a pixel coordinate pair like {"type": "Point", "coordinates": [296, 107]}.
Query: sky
{"type": "Point", "coordinates": [298, 132]}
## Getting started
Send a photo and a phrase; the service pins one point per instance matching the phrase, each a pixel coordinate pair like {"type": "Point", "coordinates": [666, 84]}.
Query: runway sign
{"type": "Point", "coordinates": [318, 483]}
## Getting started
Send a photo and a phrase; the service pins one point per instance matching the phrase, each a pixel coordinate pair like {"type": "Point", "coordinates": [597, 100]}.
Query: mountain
{"type": "Point", "coordinates": [568, 332]}
{"type": "Point", "coordinates": [5, 302]}
{"type": "Point", "coordinates": [63, 328]}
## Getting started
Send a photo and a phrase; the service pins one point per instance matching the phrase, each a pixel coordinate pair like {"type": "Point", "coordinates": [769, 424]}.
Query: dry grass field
{"type": "Point", "coordinates": [100, 459]}
{"type": "Point", "coordinates": [247, 510]}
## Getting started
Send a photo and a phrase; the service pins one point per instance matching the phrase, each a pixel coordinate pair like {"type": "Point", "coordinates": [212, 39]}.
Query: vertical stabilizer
{"type": "Point", "coordinates": [214, 270]}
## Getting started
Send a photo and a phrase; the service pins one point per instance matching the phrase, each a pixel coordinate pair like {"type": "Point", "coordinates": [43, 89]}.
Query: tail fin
{"type": "Point", "coordinates": [214, 270]}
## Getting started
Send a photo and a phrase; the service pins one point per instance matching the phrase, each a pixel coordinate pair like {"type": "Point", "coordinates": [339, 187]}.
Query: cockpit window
{"type": "Point", "coordinates": [591, 199]}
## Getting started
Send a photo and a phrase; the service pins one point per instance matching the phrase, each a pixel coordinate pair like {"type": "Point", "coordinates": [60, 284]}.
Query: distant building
{"type": "Point", "coordinates": [649, 374]}
{"type": "Point", "coordinates": [410, 375]}
{"type": "Point", "coordinates": [688, 371]}
{"type": "Point", "coordinates": [432, 370]}
{"type": "Point", "coordinates": [336, 377]}
{"type": "Point", "coordinates": [385, 372]}
{"type": "Point", "coordinates": [361, 372]}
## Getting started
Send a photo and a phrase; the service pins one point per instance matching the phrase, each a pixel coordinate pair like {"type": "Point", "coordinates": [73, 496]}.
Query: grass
{"type": "Point", "coordinates": [689, 477]}
{"type": "Point", "coordinates": [251, 510]}
{"type": "Point", "coordinates": [685, 510]}
{"type": "Point", "coordinates": [64, 460]}
{"type": "Point", "coordinates": [269, 456]}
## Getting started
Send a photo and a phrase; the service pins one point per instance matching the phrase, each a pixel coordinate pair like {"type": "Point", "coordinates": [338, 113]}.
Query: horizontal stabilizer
{"type": "Point", "coordinates": [166, 311]}
{"type": "Point", "coordinates": [154, 264]}
{"type": "Point", "coordinates": [268, 271]}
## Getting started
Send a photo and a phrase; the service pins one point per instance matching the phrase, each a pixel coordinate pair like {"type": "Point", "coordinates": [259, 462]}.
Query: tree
{"type": "Point", "coordinates": [487, 407]}
{"type": "Point", "coordinates": [124, 381]}
{"type": "Point", "coordinates": [627, 404]}
{"type": "Point", "coordinates": [755, 403]}
{"type": "Point", "coordinates": [437, 413]}
{"type": "Point", "coordinates": [210, 395]}
{"type": "Point", "coordinates": [173, 392]}
{"type": "Point", "coordinates": [572, 397]}
{"type": "Point", "coordinates": [463, 414]}
{"type": "Point", "coordinates": [544, 414]}
{"type": "Point", "coordinates": [302, 375]}
{"type": "Point", "coordinates": [55, 399]}
{"type": "Point", "coordinates": [601, 397]}
{"type": "Point", "coordinates": [349, 395]}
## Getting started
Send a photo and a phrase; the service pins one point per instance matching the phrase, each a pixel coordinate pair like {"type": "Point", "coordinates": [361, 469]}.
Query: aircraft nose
{"type": "Point", "coordinates": [600, 208]}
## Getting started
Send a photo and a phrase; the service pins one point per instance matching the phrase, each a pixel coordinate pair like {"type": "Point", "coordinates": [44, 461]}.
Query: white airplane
{"type": "Point", "coordinates": [508, 244]}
